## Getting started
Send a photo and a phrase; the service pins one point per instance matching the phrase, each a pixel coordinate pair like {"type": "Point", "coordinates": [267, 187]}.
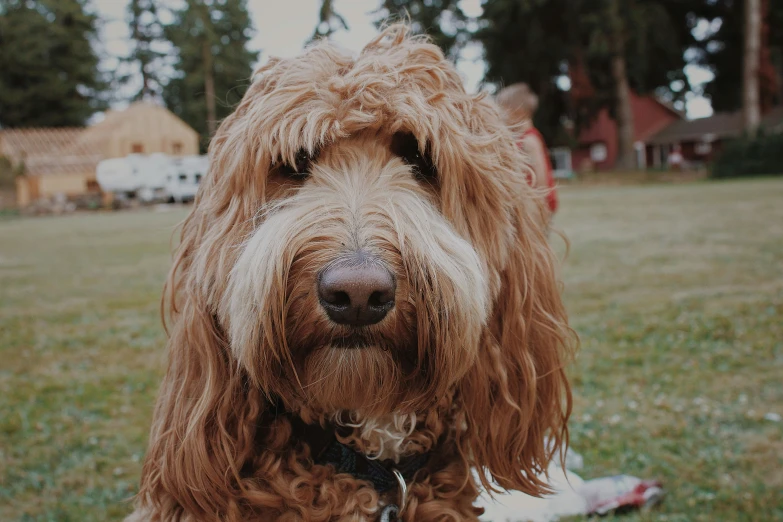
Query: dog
{"type": "Point", "coordinates": [363, 308]}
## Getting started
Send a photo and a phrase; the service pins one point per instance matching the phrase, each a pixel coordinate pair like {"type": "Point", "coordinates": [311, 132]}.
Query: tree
{"type": "Point", "coordinates": [145, 32]}
{"type": "Point", "coordinates": [329, 21]}
{"type": "Point", "coordinates": [617, 38]}
{"type": "Point", "coordinates": [529, 41]}
{"type": "Point", "coordinates": [770, 56]}
{"type": "Point", "coordinates": [607, 48]}
{"type": "Point", "coordinates": [443, 20]}
{"type": "Point", "coordinates": [48, 68]}
{"type": "Point", "coordinates": [213, 62]}
{"type": "Point", "coordinates": [723, 52]}
{"type": "Point", "coordinates": [751, 113]}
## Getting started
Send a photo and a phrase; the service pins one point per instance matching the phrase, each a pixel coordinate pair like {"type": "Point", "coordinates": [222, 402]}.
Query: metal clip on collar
{"type": "Point", "coordinates": [392, 512]}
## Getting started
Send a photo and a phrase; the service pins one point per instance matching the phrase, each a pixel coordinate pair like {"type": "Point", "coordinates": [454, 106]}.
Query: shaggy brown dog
{"type": "Point", "coordinates": [364, 259]}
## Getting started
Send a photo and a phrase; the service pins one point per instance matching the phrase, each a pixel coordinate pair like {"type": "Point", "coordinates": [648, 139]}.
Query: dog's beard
{"type": "Point", "coordinates": [288, 345]}
{"type": "Point", "coordinates": [373, 369]}
{"type": "Point", "coordinates": [366, 379]}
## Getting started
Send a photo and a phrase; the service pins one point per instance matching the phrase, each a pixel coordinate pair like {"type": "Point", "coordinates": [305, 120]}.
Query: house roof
{"type": "Point", "coordinates": [19, 143]}
{"type": "Point", "coordinates": [651, 114]}
{"type": "Point", "coordinates": [49, 150]}
{"type": "Point", "coordinates": [720, 125]}
{"type": "Point", "coordinates": [96, 135]}
{"type": "Point", "coordinates": [75, 149]}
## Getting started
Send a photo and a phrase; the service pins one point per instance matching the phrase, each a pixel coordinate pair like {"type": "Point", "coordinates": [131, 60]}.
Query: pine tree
{"type": "Point", "coordinates": [722, 52]}
{"type": "Point", "coordinates": [213, 65]}
{"type": "Point", "coordinates": [443, 20]}
{"type": "Point", "coordinates": [329, 21]}
{"type": "Point", "coordinates": [751, 108]}
{"type": "Point", "coordinates": [606, 47]}
{"type": "Point", "coordinates": [529, 41]}
{"type": "Point", "coordinates": [145, 32]}
{"type": "Point", "coordinates": [48, 68]}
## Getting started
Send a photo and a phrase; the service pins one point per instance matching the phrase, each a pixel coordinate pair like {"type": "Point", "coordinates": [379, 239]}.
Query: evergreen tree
{"type": "Point", "coordinates": [443, 20]}
{"type": "Point", "coordinates": [751, 108]}
{"type": "Point", "coordinates": [145, 32]}
{"type": "Point", "coordinates": [213, 65]}
{"type": "Point", "coordinates": [606, 47]}
{"type": "Point", "coordinates": [722, 52]}
{"type": "Point", "coordinates": [529, 41]}
{"type": "Point", "coordinates": [634, 45]}
{"type": "Point", "coordinates": [329, 21]}
{"type": "Point", "coordinates": [48, 68]}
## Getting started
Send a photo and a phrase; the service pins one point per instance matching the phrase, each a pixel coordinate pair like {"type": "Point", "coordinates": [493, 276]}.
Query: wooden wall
{"type": "Point", "coordinates": [148, 129]}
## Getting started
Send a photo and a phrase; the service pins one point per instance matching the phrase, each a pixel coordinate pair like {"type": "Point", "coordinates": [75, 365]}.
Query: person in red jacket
{"type": "Point", "coordinates": [519, 104]}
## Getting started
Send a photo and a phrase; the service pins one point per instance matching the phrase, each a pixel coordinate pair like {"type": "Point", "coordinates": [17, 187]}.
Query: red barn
{"type": "Point", "coordinates": [597, 148]}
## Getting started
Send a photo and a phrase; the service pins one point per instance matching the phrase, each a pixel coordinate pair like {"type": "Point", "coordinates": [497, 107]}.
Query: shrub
{"type": "Point", "coordinates": [7, 174]}
{"type": "Point", "coordinates": [761, 155]}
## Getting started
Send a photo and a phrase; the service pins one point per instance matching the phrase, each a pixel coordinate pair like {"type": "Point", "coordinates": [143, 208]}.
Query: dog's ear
{"type": "Point", "coordinates": [206, 415]}
{"type": "Point", "coordinates": [205, 419]}
{"type": "Point", "coordinates": [516, 399]}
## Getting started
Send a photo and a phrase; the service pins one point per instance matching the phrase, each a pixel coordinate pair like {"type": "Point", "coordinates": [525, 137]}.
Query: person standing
{"type": "Point", "coordinates": [519, 104]}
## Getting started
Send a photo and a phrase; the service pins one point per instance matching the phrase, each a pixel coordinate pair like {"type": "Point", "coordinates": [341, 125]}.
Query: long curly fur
{"type": "Point", "coordinates": [468, 365]}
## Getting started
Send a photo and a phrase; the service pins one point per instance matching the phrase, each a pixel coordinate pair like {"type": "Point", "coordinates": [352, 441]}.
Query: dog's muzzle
{"type": "Point", "coordinates": [357, 290]}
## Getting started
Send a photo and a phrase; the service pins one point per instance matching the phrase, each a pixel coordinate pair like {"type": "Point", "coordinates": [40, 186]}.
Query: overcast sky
{"type": "Point", "coordinates": [283, 26]}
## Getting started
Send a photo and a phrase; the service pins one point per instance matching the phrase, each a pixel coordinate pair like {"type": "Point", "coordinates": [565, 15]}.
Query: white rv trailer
{"type": "Point", "coordinates": [183, 176]}
{"type": "Point", "coordinates": [157, 177]}
{"type": "Point", "coordinates": [134, 176]}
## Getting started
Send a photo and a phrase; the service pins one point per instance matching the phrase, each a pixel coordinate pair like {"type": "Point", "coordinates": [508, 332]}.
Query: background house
{"type": "Point", "coordinates": [62, 161]}
{"type": "Point", "coordinates": [701, 140]}
{"type": "Point", "coordinates": [50, 160]}
{"type": "Point", "coordinates": [597, 143]}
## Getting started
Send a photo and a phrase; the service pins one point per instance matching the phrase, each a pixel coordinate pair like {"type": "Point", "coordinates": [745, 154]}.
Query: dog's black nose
{"type": "Point", "coordinates": [357, 293]}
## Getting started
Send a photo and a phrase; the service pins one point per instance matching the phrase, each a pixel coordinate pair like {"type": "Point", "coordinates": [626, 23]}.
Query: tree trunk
{"type": "Point", "coordinates": [751, 111]}
{"type": "Point", "coordinates": [626, 153]}
{"type": "Point", "coordinates": [769, 83]}
{"type": "Point", "coordinates": [209, 89]}
{"type": "Point", "coordinates": [146, 89]}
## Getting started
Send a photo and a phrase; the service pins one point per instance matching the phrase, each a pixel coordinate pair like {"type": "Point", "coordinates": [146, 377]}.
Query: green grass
{"type": "Point", "coordinates": [676, 292]}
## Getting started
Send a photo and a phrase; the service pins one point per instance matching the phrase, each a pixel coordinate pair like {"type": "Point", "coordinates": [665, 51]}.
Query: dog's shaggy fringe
{"type": "Point", "coordinates": [474, 350]}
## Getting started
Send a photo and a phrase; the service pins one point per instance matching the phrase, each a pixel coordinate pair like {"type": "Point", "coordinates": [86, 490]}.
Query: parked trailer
{"type": "Point", "coordinates": [183, 176]}
{"type": "Point", "coordinates": [134, 176]}
{"type": "Point", "coordinates": [157, 177]}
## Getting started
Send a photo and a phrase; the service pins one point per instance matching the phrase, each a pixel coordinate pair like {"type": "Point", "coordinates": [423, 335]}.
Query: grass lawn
{"type": "Point", "coordinates": [675, 290]}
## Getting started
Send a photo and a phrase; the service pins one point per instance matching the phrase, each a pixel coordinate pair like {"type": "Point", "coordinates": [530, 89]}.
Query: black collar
{"type": "Point", "coordinates": [325, 449]}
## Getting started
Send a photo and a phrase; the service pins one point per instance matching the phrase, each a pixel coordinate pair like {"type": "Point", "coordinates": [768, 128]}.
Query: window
{"type": "Point", "coordinates": [183, 177]}
{"type": "Point", "coordinates": [137, 148]}
{"type": "Point", "coordinates": [176, 148]}
{"type": "Point", "coordinates": [702, 149]}
{"type": "Point", "coordinates": [598, 152]}
{"type": "Point", "coordinates": [561, 162]}
{"type": "Point", "coordinates": [198, 178]}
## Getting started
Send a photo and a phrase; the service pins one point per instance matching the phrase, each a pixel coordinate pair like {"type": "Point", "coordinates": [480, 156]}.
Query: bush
{"type": "Point", "coordinates": [761, 155]}
{"type": "Point", "coordinates": [7, 174]}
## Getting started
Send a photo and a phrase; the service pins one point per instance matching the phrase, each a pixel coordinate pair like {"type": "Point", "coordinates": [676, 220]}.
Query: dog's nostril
{"type": "Point", "coordinates": [339, 299]}
{"type": "Point", "coordinates": [380, 298]}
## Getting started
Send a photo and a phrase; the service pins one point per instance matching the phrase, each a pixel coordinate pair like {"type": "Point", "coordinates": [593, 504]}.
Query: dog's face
{"type": "Point", "coordinates": [365, 240]}
{"type": "Point", "coordinates": [365, 276]}
{"type": "Point", "coordinates": [353, 290]}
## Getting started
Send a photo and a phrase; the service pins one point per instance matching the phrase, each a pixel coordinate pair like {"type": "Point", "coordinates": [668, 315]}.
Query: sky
{"type": "Point", "coordinates": [283, 26]}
